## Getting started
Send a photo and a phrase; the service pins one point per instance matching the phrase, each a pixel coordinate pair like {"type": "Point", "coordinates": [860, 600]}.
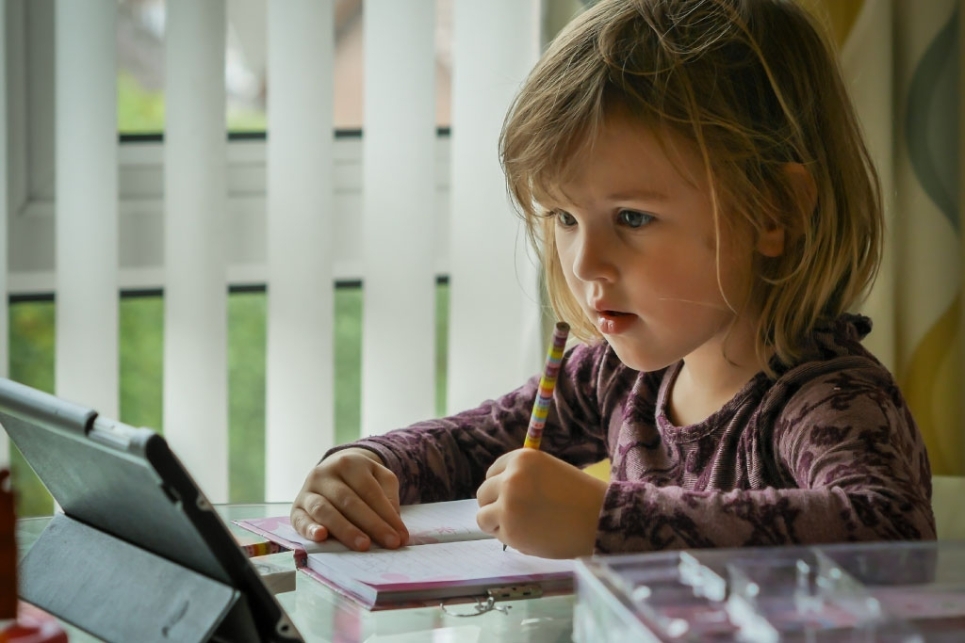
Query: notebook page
{"type": "Point", "coordinates": [429, 523]}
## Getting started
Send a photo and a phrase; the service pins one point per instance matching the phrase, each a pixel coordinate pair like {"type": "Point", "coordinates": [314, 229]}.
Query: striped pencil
{"type": "Point", "coordinates": [534, 434]}
{"type": "Point", "coordinates": [547, 383]}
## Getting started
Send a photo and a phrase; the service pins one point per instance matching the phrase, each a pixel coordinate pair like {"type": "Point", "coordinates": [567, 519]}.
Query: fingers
{"type": "Point", "coordinates": [305, 526]}
{"type": "Point", "coordinates": [386, 502]}
{"type": "Point", "coordinates": [499, 495]}
{"type": "Point", "coordinates": [487, 495]}
{"type": "Point", "coordinates": [488, 516]}
{"type": "Point", "coordinates": [488, 492]}
{"type": "Point", "coordinates": [353, 499]}
{"type": "Point", "coordinates": [499, 465]}
{"type": "Point", "coordinates": [351, 533]}
{"type": "Point", "coordinates": [488, 520]}
{"type": "Point", "coordinates": [369, 507]}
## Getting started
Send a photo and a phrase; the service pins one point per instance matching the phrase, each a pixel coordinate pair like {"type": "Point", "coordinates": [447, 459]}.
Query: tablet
{"type": "Point", "coordinates": [138, 553]}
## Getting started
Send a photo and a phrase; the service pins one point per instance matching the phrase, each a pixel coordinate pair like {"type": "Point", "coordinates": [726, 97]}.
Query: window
{"type": "Point", "coordinates": [32, 332]}
{"type": "Point", "coordinates": [140, 53]}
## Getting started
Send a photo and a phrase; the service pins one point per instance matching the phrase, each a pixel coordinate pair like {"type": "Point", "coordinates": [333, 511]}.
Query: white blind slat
{"type": "Point", "coordinates": [494, 339]}
{"type": "Point", "coordinates": [195, 294]}
{"type": "Point", "coordinates": [398, 331]}
{"type": "Point", "coordinates": [300, 352]}
{"type": "Point", "coordinates": [86, 364]}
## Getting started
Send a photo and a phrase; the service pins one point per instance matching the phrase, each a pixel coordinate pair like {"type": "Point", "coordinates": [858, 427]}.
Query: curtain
{"type": "Point", "coordinates": [901, 60]}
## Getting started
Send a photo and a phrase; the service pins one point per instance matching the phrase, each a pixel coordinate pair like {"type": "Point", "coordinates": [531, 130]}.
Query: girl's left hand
{"type": "Point", "coordinates": [540, 505]}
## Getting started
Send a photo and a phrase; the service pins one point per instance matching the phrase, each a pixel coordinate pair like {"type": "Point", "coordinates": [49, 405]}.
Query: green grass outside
{"type": "Point", "coordinates": [31, 363]}
{"type": "Point", "coordinates": [141, 321]}
{"type": "Point", "coordinates": [141, 111]}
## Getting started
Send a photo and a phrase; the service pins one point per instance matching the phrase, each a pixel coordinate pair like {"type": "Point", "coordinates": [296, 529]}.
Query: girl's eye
{"type": "Point", "coordinates": [565, 219]}
{"type": "Point", "coordinates": [634, 219]}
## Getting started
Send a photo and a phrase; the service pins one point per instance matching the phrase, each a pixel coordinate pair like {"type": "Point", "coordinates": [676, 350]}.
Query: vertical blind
{"type": "Point", "coordinates": [86, 358]}
{"type": "Point", "coordinates": [494, 340]}
{"type": "Point", "coordinates": [494, 295]}
{"type": "Point", "coordinates": [398, 194]}
{"type": "Point", "coordinates": [195, 277]}
{"type": "Point", "coordinates": [299, 375]}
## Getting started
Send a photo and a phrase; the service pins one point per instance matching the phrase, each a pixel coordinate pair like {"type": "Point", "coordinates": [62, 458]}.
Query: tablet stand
{"type": "Point", "coordinates": [119, 592]}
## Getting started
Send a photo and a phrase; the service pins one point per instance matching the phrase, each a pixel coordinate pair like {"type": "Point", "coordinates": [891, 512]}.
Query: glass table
{"type": "Point", "coordinates": [322, 615]}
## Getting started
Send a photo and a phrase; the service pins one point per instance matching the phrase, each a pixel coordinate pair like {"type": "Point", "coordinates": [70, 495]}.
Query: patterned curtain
{"type": "Point", "coordinates": [901, 60]}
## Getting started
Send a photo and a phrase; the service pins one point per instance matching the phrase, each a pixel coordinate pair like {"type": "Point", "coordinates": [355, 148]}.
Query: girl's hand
{"type": "Point", "coordinates": [540, 505]}
{"type": "Point", "coordinates": [352, 497]}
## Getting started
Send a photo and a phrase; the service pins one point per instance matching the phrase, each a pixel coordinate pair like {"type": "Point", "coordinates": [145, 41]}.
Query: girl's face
{"type": "Point", "coordinates": [637, 242]}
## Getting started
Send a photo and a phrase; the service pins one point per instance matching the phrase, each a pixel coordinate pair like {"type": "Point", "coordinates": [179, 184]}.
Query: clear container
{"type": "Point", "coordinates": [894, 592]}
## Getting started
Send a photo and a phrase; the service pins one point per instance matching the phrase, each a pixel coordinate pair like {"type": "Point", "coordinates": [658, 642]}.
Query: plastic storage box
{"type": "Point", "coordinates": [851, 593]}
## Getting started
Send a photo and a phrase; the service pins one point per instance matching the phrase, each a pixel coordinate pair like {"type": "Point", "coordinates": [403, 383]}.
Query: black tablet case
{"type": "Point", "coordinates": [139, 553]}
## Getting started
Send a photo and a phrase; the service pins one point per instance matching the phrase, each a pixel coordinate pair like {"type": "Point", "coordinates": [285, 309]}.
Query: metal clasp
{"type": "Point", "coordinates": [487, 603]}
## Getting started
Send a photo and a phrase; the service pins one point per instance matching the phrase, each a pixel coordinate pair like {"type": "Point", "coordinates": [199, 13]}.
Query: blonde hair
{"type": "Point", "coordinates": [754, 85]}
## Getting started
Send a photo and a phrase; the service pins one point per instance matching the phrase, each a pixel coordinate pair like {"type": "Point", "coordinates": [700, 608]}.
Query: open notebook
{"type": "Point", "coordinates": [447, 557]}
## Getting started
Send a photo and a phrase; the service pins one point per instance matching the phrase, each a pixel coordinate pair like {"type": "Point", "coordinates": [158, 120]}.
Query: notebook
{"type": "Point", "coordinates": [138, 554]}
{"type": "Point", "coordinates": [448, 557]}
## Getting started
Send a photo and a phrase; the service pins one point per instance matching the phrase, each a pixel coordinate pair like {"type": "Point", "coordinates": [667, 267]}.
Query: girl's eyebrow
{"type": "Point", "coordinates": [640, 194]}
{"type": "Point", "coordinates": [648, 194]}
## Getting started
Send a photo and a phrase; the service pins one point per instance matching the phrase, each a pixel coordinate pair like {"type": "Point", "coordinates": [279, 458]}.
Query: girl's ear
{"type": "Point", "coordinates": [770, 242]}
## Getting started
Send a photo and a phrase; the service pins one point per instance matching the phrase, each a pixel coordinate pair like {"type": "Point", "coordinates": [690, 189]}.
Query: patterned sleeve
{"type": "Point", "coordinates": [854, 468]}
{"type": "Point", "coordinates": [447, 458]}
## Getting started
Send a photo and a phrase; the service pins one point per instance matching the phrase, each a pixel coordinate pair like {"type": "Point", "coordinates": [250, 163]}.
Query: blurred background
{"type": "Point", "coordinates": [344, 260]}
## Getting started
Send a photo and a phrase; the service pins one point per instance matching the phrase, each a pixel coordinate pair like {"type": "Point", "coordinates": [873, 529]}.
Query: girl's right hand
{"type": "Point", "coordinates": [352, 497]}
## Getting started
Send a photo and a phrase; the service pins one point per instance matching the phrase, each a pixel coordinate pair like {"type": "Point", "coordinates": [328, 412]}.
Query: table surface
{"type": "Point", "coordinates": [322, 615]}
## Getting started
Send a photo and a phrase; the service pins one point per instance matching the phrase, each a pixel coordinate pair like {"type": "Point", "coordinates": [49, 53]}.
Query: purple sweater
{"type": "Point", "coordinates": [827, 452]}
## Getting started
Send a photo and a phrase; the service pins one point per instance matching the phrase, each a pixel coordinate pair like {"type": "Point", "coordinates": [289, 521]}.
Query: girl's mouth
{"type": "Point", "coordinates": [614, 322]}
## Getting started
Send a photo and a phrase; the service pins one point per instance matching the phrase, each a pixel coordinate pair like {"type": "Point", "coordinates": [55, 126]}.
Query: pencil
{"type": "Point", "coordinates": [547, 383]}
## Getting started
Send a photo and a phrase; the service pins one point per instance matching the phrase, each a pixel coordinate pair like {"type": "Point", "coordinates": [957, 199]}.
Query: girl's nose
{"type": "Point", "coordinates": [593, 258]}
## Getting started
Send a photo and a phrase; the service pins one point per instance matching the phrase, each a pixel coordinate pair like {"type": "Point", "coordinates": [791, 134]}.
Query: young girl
{"type": "Point", "coordinates": [693, 176]}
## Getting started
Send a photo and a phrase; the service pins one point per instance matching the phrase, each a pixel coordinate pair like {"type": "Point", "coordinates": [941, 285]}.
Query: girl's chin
{"type": "Point", "coordinates": [633, 359]}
